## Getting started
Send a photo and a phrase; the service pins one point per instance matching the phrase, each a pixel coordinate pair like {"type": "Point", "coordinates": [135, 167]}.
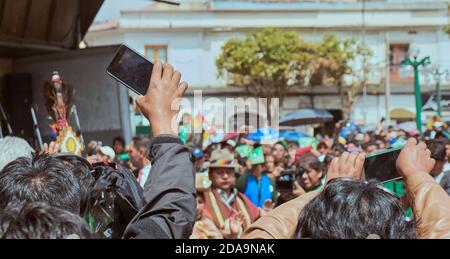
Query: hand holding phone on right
{"type": "Point", "coordinates": [415, 158]}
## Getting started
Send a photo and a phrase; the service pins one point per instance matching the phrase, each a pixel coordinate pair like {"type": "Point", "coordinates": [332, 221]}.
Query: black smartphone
{"type": "Point", "coordinates": [131, 69]}
{"type": "Point", "coordinates": [284, 183]}
{"type": "Point", "coordinates": [382, 165]}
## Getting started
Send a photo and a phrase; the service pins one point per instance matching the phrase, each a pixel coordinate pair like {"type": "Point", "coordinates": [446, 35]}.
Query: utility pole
{"type": "Point", "coordinates": [364, 81]}
{"type": "Point", "coordinates": [387, 94]}
{"type": "Point", "coordinates": [438, 73]}
{"type": "Point", "coordinates": [416, 63]}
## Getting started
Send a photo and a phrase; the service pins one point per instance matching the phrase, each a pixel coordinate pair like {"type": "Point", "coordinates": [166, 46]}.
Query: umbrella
{"type": "Point", "coordinates": [230, 136]}
{"type": "Point", "coordinates": [292, 136]}
{"type": "Point", "coordinates": [216, 138]}
{"type": "Point", "coordinates": [407, 126]}
{"type": "Point", "coordinates": [305, 117]}
{"type": "Point", "coordinates": [349, 128]}
{"type": "Point", "coordinates": [267, 134]}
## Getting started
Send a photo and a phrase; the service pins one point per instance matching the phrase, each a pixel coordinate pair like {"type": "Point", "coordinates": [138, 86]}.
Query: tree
{"type": "Point", "coordinates": [268, 63]}
{"type": "Point", "coordinates": [335, 66]}
{"type": "Point", "coordinates": [447, 27]}
{"type": "Point", "coordinates": [272, 62]}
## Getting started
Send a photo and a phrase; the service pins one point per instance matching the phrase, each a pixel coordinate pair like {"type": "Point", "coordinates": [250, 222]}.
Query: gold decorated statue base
{"type": "Point", "coordinates": [69, 142]}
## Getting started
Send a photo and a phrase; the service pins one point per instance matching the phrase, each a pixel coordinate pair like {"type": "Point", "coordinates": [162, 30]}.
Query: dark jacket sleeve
{"type": "Point", "coordinates": [169, 194]}
{"type": "Point", "coordinates": [445, 182]}
{"type": "Point", "coordinates": [241, 182]}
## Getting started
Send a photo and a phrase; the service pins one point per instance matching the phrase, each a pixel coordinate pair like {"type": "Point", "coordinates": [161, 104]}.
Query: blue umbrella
{"type": "Point", "coordinates": [292, 136]}
{"type": "Point", "coordinates": [267, 134]}
{"type": "Point", "coordinates": [305, 117]}
{"type": "Point", "coordinates": [349, 128]}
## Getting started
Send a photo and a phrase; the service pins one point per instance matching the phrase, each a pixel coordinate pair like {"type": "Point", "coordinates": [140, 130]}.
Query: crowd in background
{"type": "Point", "coordinates": [169, 187]}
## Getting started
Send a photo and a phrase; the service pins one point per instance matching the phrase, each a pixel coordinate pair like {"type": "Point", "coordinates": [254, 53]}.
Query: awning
{"type": "Point", "coordinates": [402, 114]}
{"type": "Point", "coordinates": [31, 27]}
{"type": "Point", "coordinates": [305, 117]}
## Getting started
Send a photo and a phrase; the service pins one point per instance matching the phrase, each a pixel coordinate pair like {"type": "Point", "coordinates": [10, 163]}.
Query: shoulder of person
{"type": "Point", "coordinates": [446, 177]}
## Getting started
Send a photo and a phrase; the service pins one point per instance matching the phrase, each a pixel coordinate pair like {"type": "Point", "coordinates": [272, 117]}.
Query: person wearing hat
{"type": "Point", "coordinates": [106, 154]}
{"type": "Point", "coordinates": [256, 184]}
{"type": "Point", "coordinates": [199, 156]}
{"type": "Point", "coordinates": [230, 210]}
{"type": "Point", "coordinates": [204, 227]}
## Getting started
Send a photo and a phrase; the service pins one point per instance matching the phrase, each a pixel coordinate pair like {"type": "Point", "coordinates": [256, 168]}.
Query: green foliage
{"type": "Point", "coordinates": [447, 27]}
{"type": "Point", "coordinates": [271, 62]}
{"type": "Point", "coordinates": [335, 59]}
{"type": "Point", "coordinates": [335, 62]}
{"type": "Point", "coordinates": [267, 62]}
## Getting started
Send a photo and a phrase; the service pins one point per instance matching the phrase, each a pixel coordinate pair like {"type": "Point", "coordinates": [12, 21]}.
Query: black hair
{"type": "Point", "coordinates": [380, 138]}
{"type": "Point", "coordinates": [281, 144]}
{"type": "Point", "coordinates": [350, 209]}
{"type": "Point", "coordinates": [322, 145]}
{"type": "Point", "coordinates": [354, 142]}
{"type": "Point", "coordinates": [438, 150]}
{"type": "Point", "coordinates": [339, 147]}
{"type": "Point", "coordinates": [41, 221]}
{"type": "Point", "coordinates": [83, 174]}
{"type": "Point", "coordinates": [310, 161]}
{"type": "Point", "coordinates": [141, 142]}
{"type": "Point", "coordinates": [365, 146]}
{"type": "Point", "coordinates": [119, 139]}
{"type": "Point", "coordinates": [40, 179]}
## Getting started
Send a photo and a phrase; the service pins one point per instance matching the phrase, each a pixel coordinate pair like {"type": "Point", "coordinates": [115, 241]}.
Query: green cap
{"type": "Point", "coordinates": [257, 156]}
{"type": "Point", "coordinates": [244, 151]}
{"type": "Point", "coordinates": [124, 157]}
{"type": "Point", "coordinates": [308, 142]}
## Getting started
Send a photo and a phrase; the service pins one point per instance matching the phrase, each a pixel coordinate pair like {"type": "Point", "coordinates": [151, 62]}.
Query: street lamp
{"type": "Point", "coordinates": [416, 63]}
{"type": "Point", "coordinates": [438, 73]}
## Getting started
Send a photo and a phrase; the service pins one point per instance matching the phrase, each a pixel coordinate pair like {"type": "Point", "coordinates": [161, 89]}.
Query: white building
{"type": "Point", "coordinates": [190, 37]}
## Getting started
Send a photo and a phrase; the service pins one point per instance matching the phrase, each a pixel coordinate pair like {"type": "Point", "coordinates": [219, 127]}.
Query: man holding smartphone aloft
{"type": "Point", "coordinates": [169, 198]}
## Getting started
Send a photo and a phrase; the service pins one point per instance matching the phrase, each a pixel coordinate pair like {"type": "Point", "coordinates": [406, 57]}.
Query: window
{"type": "Point", "coordinates": [156, 52]}
{"type": "Point", "coordinates": [398, 53]}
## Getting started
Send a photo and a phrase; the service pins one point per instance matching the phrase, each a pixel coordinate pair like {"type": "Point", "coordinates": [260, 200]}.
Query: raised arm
{"type": "Point", "coordinates": [431, 204]}
{"type": "Point", "coordinates": [169, 198]}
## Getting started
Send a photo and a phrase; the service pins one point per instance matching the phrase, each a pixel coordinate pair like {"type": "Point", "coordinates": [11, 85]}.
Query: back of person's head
{"type": "Point", "coordinates": [379, 137]}
{"type": "Point", "coordinates": [41, 221]}
{"type": "Point", "coordinates": [40, 179]}
{"type": "Point", "coordinates": [438, 150]}
{"type": "Point", "coordinates": [353, 142]}
{"type": "Point", "coordinates": [349, 209]}
{"type": "Point", "coordinates": [141, 142]}
{"type": "Point", "coordinates": [367, 146]}
{"type": "Point", "coordinates": [322, 145]}
{"type": "Point", "coordinates": [83, 173]}
{"type": "Point", "coordinates": [12, 148]}
{"type": "Point", "coordinates": [338, 147]}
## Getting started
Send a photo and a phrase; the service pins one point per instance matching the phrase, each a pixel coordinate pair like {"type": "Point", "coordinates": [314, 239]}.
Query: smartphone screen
{"type": "Point", "coordinates": [382, 165]}
{"type": "Point", "coordinates": [131, 69]}
{"type": "Point", "coordinates": [284, 183]}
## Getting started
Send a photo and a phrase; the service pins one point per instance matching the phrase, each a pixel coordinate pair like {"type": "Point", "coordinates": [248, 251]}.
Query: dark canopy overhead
{"type": "Point", "coordinates": [30, 27]}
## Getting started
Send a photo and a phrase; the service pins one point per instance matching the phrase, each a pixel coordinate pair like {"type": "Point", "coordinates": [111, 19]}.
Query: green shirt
{"type": "Point", "coordinates": [398, 187]}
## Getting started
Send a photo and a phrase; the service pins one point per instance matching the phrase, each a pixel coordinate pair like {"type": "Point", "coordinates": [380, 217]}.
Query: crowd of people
{"type": "Point", "coordinates": [165, 187]}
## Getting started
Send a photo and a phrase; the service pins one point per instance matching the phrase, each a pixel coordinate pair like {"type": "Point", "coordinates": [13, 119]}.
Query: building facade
{"type": "Point", "coordinates": [190, 37]}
